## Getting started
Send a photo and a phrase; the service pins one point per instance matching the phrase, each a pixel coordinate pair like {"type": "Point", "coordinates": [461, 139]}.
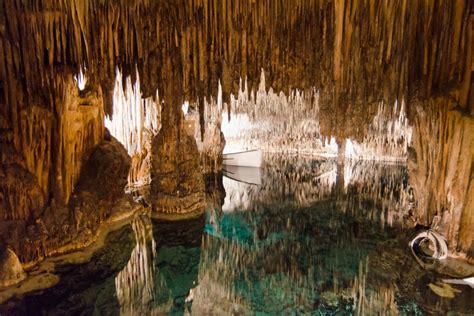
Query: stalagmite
{"type": "Point", "coordinates": [379, 80]}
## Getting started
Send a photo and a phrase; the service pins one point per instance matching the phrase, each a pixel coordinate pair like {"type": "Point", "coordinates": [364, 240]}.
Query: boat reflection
{"type": "Point", "coordinates": [305, 236]}
{"type": "Point", "coordinates": [311, 236]}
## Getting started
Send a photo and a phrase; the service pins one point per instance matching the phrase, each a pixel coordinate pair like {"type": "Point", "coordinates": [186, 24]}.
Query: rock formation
{"type": "Point", "coordinates": [355, 53]}
{"type": "Point", "coordinates": [441, 171]}
{"type": "Point", "coordinates": [60, 227]}
{"type": "Point", "coordinates": [11, 270]}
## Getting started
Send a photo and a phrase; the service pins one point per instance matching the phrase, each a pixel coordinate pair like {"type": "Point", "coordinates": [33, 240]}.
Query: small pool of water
{"type": "Point", "coordinates": [299, 236]}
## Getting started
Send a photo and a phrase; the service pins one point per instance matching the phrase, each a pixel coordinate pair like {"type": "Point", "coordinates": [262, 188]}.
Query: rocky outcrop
{"type": "Point", "coordinates": [21, 197]}
{"type": "Point", "coordinates": [43, 157]}
{"type": "Point", "coordinates": [60, 227]}
{"type": "Point", "coordinates": [442, 160]}
{"type": "Point", "coordinates": [208, 132]}
{"type": "Point", "coordinates": [140, 172]}
{"type": "Point", "coordinates": [211, 149]}
{"type": "Point", "coordinates": [11, 270]}
{"type": "Point", "coordinates": [177, 184]}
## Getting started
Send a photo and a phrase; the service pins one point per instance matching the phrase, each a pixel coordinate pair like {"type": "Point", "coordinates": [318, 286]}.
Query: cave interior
{"type": "Point", "coordinates": [118, 118]}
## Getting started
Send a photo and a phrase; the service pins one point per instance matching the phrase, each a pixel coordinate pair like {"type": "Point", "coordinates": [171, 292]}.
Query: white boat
{"type": "Point", "coordinates": [250, 158]}
{"type": "Point", "coordinates": [466, 281]}
{"type": "Point", "coordinates": [249, 175]}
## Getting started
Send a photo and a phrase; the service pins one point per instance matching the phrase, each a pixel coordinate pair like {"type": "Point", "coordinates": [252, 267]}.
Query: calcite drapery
{"type": "Point", "coordinates": [442, 171]}
{"type": "Point", "coordinates": [357, 52]}
{"type": "Point", "coordinates": [52, 146]}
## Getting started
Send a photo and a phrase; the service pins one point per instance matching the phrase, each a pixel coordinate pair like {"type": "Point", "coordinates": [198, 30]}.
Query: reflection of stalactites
{"type": "Point", "coordinates": [384, 185]}
{"type": "Point", "coordinates": [135, 284]}
{"type": "Point", "coordinates": [370, 301]}
{"type": "Point", "coordinates": [215, 292]}
{"type": "Point", "coordinates": [282, 177]}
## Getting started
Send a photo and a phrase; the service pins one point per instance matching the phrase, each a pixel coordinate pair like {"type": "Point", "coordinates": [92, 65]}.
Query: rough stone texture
{"type": "Point", "coordinates": [140, 172]}
{"type": "Point", "coordinates": [177, 184]}
{"type": "Point", "coordinates": [361, 51]}
{"type": "Point", "coordinates": [66, 227]}
{"type": "Point", "coordinates": [208, 135]}
{"type": "Point", "coordinates": [211, 149]}
{"type": "Point", "coordinates": [45, 154]}
{"type": "Point", "coordinates": [11, 270]}
{"type": "Point", "coordinates": [20, 194]}
{"type": "Point", "coordinates": [442, 173]}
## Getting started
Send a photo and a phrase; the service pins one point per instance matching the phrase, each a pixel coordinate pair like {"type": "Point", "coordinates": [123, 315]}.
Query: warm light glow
{"type": "Point", "coordinates": [185, 107]}
{"type": "Point", "coordinates": [81, 79]}
{"type": "Point", "coordinates": [132, 113]}
{"type": "Point", "coordinates": [275, 122]}
{"type": "Point", "coordinates": [388, 136]}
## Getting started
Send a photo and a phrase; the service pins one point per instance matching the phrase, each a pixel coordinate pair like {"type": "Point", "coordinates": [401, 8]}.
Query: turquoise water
{"type": "Point", "coordinates": [309, 237]}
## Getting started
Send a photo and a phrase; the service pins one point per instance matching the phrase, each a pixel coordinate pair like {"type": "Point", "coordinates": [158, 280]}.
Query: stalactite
{"type": "Point", "coordinates": [388, 136]}
{"type": "Point", "coordinates": [279, 123]}
{"type": "Point", "coordinates": [273, 121]}
{"type": "Point", "coordinates": [357, 54]}
{"type": "Point", "coordinates": [132, 114]}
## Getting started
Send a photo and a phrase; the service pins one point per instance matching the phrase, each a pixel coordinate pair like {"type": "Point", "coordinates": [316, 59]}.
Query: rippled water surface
{"type": "Point", "coordinates": [298, 236]}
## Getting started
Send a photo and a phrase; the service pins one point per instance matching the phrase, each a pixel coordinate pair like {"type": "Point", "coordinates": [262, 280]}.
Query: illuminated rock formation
{"type": "Point", "coordinates": [356, 54]}
{"type": "Point", "coordinates": [61, 228]}
{"type": "Point", "coordinates": [441, 171]}
{"type": "Point", "coordinates": [11, 271]}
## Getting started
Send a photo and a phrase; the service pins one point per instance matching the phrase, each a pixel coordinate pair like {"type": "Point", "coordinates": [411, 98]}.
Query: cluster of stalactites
{"type": "Point", "coordinates": [263, 119]}
{"type": "Point", "coordinates": [212, 115]}
{"type": "Point", "coordinates": [387, 138]}
{"type": "Point", "coordinates": [132, 114]}
{"type": "Point", "coordinates": [274, 122]}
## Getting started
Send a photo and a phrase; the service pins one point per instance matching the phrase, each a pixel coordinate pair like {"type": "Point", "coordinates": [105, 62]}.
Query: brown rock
{"type": "Point", "coordinates": [11, 270]}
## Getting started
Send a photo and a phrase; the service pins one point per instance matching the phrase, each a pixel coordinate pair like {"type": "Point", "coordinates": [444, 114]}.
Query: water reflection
{"type": "Point", "coordinates": [375, 190]}
{"type": "Point", "coordinates": [162, 267]}
{"type": "Point", "coordinates": [303, 236]}
{"type": "Point", "coordinates": [141, 289]}
{"type": "Point", "coordinates": [315, 237]}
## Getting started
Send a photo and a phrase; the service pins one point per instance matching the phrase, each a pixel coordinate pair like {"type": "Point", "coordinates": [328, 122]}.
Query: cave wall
{"type": "Point", "coordinates": [356, 53]}
{"type": "Point", "coordinates": [43, 151]}
{"type": "Point", "coordinates": [442, 173]}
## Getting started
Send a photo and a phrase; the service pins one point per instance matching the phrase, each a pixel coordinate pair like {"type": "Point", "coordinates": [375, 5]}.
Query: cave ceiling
{"type": "Point", "coordinates": [357, 51]}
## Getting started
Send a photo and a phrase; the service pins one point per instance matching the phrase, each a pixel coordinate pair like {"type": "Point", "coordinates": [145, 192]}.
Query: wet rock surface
{"type": "Point", "coordinates": [91, 282]}
{"type": "Point", "coordinates": [62, 228]}
{"type": "Point", "coordinates": [177, 184]}
{"type": "Point", "coordinates": [336, 254]}
{"type": "Point", "coordinates": [441, 173]}
{"type": "Point", "coordinates": [356, 53]}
